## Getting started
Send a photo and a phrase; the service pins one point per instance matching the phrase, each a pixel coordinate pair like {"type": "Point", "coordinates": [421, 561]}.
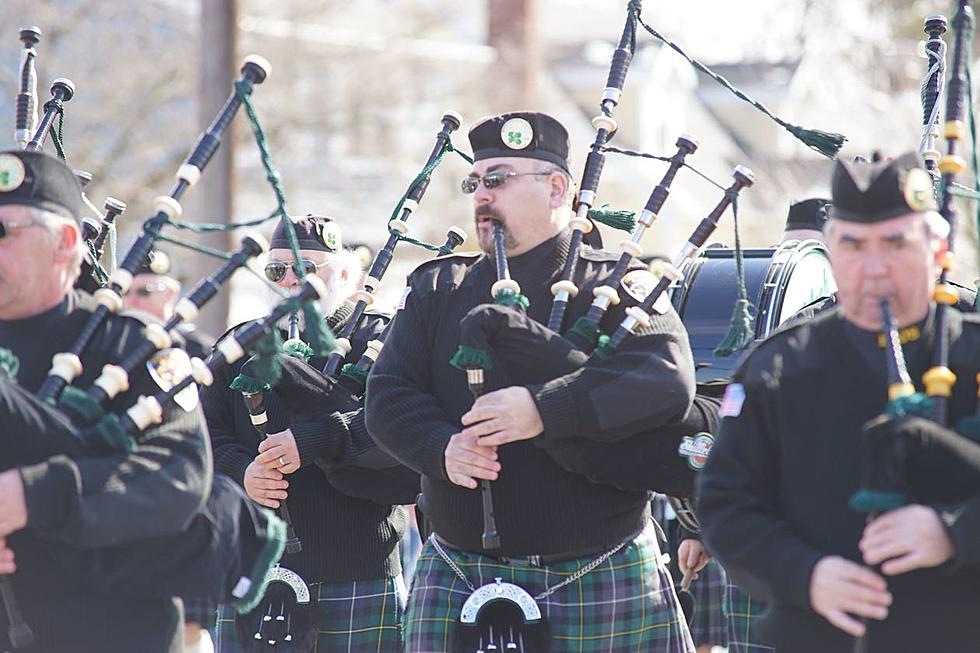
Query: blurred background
{"type": "Point", "coordinates": [357, 90]}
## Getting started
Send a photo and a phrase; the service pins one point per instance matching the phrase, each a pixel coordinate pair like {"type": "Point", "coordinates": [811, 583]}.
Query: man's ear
{"type": "Point", "coordinates": [68, 238]}
{"type": "Point", "coordinates": [559, 188]}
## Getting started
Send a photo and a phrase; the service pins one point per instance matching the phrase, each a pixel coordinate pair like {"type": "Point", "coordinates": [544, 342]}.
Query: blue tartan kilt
{"type": "Point", "coordinates": [356, 616]}
{"type": "Point", "coordinates": [709, 627]}
{"type": "Point", "coordinates": [741, 614]}
{"type": "Point", "coordinates": [626, 604]}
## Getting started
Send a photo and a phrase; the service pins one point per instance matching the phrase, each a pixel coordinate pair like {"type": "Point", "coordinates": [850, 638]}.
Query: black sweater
{"type": "Point", "coordinates": [344, 537]}
{"type": "Point", "coordinates": [774, 494]}
{"type": "Point", "coordinates": [415, 399]}
{"type": "Point", "coordinates": [99, 501]}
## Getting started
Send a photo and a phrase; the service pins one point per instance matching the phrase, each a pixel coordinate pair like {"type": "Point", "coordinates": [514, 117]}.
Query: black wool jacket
{"type": "Point", "coordinates": [99, 501]}
{"type": "Point", "coordinates": [415, 399]}
{"type": "Point", "coordinates": [774, 494]}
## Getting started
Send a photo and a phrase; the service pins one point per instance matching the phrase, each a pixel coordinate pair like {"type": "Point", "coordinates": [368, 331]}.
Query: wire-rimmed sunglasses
{"type": "Point", "coordinates": [494, 180]}
{"type": "Point", "coordinates": [276, 270]}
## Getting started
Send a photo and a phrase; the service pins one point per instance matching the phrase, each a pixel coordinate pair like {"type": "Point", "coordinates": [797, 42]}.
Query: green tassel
{"type": "Point", "coordinates": [826, 143]}
{"type": "Point", "coordinates": [620, 220]}
{"type": "Point", "coordinates": [267, 368]}
{"type": "Point", "coordinates": [740, 331]}
{"type": "Point", "coordinates": [78, 403]}
{"type": "Point", "coordinates": [588, 329]}
{"type": "Point", "coordinates": [111, 431]}
{"type": "Point", "coordinates": [298, 349]}
{"type": "Point", "coordinates": [9, 363]}
{"type": "Point", "coordinates": [603, 349]}
{"type": "Point", "coordinates": [508, 298]}
{"type": "Point", "coordinates": [272, 549]}
{"type": "Point", "coordinates": [321, 341]}
{"type": "Point", "coordinates": [873, 501]}
{"type": "Point", "coordinates": [469, 357]}
{"type": "Point", "coordinates": [352, 371]}
{"type": "Point", "coordinates": [248, 385]}
{"type": "Point", "coordinates": [916, 404]}
{"type": "Point", "coordinates": [969, 427]}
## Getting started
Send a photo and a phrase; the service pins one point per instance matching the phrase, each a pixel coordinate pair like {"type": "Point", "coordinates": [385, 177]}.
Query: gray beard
{"type": "Point", "coordinates": [327, 305]}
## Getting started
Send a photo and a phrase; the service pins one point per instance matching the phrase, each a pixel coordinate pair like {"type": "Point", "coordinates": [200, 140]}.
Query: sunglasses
{"type": "Point", "coordinates": [276, 270]}
{"type": "Point", "coordinates": [15, 224]}
{"type": "Point", "coordinates": [494, 180]}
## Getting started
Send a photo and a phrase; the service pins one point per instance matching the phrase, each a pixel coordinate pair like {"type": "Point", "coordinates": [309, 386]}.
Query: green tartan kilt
{"type": "Point", "coordinates": [357, 616]}
{"type": "Point", "coordinates": [741, 613]}
{"type": "Point", "coordinates": [625, 605]}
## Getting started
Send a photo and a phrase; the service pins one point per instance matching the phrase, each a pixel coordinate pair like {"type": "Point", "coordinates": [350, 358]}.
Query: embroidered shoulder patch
{"type": "Point", "coordinates": [731, 403]}
{"type": "Point", "coordinates": [696, 449]}
{"type": "Point", "coordinates": [169, 367]}
{"type": "Point", "coordinates": [639, 283]}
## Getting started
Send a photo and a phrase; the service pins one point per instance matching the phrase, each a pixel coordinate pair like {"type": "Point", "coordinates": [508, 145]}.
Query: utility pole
{"type": "Point", "coordinates": [211, 199]}
{"type": "Point", "coordinates": [512, 31]}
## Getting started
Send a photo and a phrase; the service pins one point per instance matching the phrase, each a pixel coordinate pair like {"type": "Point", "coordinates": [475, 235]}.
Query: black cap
{"type": "Point", "coordinates": [315, 232]}
{"type": "Point", "coordinates": [526, 134]}
{"type": "Point", "coordinates": [156, 262]}
{"type": "Point", "coordinates": [40, 180]}
{"type": "Point", "coordinates": [873, 191]}
{"type": "Point", "coordinates": [807, 214]}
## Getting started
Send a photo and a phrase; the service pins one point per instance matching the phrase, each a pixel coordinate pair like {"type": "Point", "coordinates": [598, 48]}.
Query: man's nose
{"type": "Point", "coordinates": [290, 280]}
{"type": "Point", "coordinates": [875, 263]}
{"type": "Point", "coordinates": [482, 194]}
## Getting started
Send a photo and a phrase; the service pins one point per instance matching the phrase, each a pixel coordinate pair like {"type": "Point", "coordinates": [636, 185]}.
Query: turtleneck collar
{"type": "Point", "coordinates": [544, 261]}
{"type": "Point", "coordinates": [916, 339]}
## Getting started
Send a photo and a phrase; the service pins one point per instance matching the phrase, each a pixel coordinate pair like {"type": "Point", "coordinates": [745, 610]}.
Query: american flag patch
{"type": "Point", "coordinates": [731, 403]}
{"type": "Point", "coordinates": [405, 294]}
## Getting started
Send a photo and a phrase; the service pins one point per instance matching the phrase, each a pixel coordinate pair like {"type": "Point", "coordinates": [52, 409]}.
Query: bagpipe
{"type": "Point", "coordinates": [286, 616]}
{"type": "Point", "coordinates": [308, 393]}
{"type": "Point", "coordinates": [225, 551]}
{"type": "Point", "coordinates": [909, 453]}
{"type": "Point", "coordinates": [499, 345]}
{"type": "Point", "coordinates": [194, 563]}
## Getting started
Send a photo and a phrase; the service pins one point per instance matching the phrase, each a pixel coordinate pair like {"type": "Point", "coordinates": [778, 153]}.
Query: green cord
{"type": "Point", "coordinates": [825, 143]}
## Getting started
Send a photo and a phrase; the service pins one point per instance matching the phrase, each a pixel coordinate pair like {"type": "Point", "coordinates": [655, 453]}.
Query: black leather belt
{"type": "Point", "coordinates": [531, 560]}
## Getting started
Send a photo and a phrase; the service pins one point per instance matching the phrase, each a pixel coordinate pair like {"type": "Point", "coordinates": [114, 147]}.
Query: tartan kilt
{"type": "Point", "coordinates": [625, 605]}
{"type": "Point", "coordinates": [741, 613]}
{"type": "Point", "coordinates": [709, 627]}
{"type": "Point", "coordinates": [357, 616]}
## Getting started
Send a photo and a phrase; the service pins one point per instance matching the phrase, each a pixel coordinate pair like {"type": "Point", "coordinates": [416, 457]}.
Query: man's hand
{"type": "Point", "coordinates": [468, 459]}
{"type": "Point", "coordinates": [910, 537]}
{"type": "Point", "coordinates": [265, 486]}
{"type": "Point", "coordinates": [840, 588]}
{"type": "Point", "coordinates": [278, 451]}
{"type": "Point", "coordinates": [7, 565]}
{"type": "Point", "coordinates": [13, 507]}
{"type": "Point", "coordinates": [691, 555]}
{"type": "Point", "coordinates": [503, 416]}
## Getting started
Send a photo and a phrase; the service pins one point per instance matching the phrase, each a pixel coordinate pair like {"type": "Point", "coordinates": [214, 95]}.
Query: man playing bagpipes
{"type": "Point", "coordinates": [347, 523]}
{"type": "Point", "coordinates": [803, 431]}
{"type": "Point", "coordinates": [95, 500]}
{"type": "Point", "coordinates": [578, 561]}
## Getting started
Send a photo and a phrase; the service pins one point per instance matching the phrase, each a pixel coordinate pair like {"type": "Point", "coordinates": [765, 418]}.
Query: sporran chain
{"type": "Point", "coordinates": [549, 591]}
